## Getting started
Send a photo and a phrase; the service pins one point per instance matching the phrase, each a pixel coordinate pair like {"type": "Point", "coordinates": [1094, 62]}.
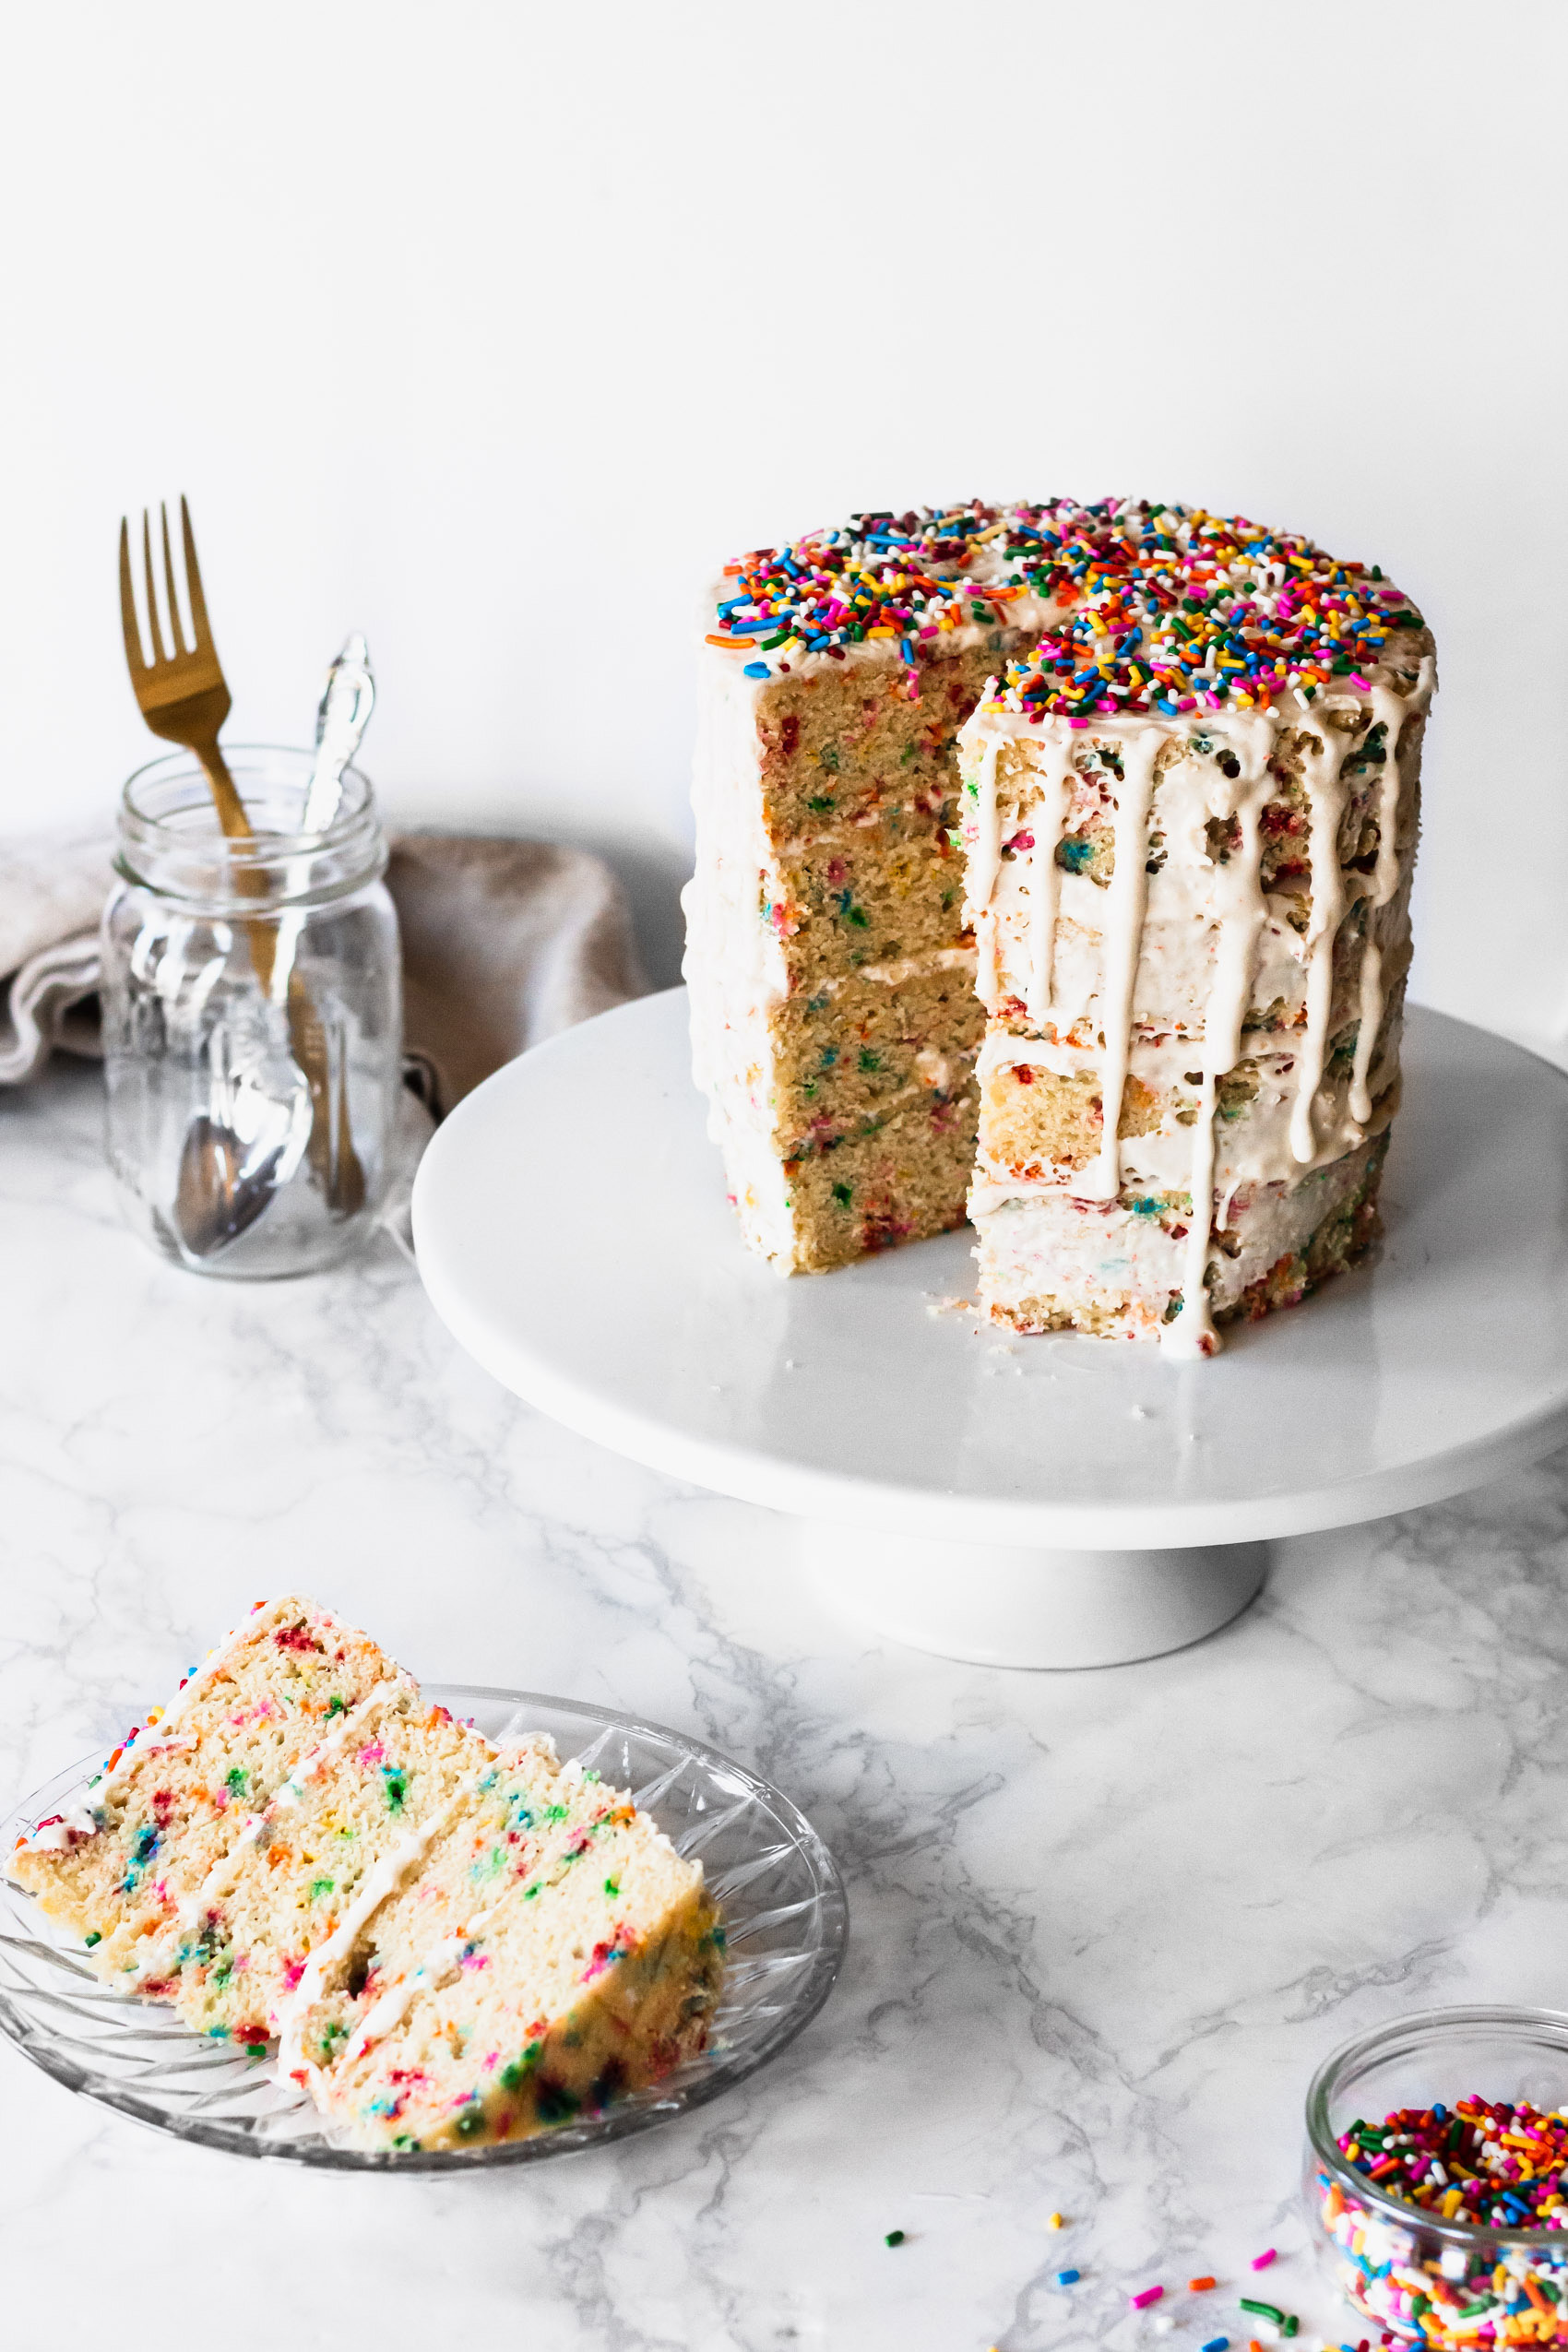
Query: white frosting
{"type": "Point", "coordinates": [1155, 977]}
{"type": "Point", "coordinates": [1123, 938]}
{"type": "Point", "coordinates": [1322, 757]}
{"type": "Point", "coordinates": [1047, 820]}
{"type": "Point", "coordinates": [1240, 906]}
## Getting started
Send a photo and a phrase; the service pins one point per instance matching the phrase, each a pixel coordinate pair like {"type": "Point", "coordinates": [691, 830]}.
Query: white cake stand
{"type": "Point", "coordinates": [1058, 1501]}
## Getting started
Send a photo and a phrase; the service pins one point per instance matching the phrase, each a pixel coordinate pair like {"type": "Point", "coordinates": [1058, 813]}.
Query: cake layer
{"type": "Point", "coordinates": [171, 1802]}
{"type": "Point", "coordinates": [858, 1049]}
{"type": "Point", "coordinates": [907, 1178]}
{"type": "Point", "coordinates": [516, 1817]}
{"type": "Point", "coordinates": [521, 1995]}
{"type": "Point", "coordinates": [1186, 848]}
{"type": "Point", "coordinates": [885, 889]}
{"type": "Point", "coordinates": [1043, 1115]}
{"type": "Point", "coordinates": [1190, 822]}
{"type": "Point", "coordinates": [842, 740]}
{"type": "Point", "coordinates": [1118, 1268]}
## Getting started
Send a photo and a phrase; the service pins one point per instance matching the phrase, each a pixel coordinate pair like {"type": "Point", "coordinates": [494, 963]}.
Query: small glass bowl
{"type": "Point", "coordinates": [1408, 2272]}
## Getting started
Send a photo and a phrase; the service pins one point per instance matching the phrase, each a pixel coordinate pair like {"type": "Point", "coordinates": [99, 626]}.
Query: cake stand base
{"type": "Point", "coordinates": [1015, 1605]}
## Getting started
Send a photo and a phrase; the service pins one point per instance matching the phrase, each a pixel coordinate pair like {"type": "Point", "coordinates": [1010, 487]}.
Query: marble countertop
{"type": "Point", "coordinates": [1104, 1925]}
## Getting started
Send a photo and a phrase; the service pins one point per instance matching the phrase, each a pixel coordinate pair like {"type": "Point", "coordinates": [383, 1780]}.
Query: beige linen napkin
{"type": "Point", "coordinates": [505, 943]}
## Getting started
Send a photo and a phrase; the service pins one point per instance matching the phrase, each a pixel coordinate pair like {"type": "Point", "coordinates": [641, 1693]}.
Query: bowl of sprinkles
{"type": "Point", "coordinates": [1436, 2176]}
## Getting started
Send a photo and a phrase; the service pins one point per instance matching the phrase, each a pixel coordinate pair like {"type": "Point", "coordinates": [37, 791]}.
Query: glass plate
{"type": "Point", "coordinates": [782, 1901]}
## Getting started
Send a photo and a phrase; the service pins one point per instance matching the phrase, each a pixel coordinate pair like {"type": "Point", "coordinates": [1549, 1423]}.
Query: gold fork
{"type": "Point", "coordinates": [183, 697]}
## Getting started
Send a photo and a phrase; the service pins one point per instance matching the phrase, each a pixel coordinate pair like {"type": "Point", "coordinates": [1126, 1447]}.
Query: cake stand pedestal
{"type": "Point", "coordinates": [1060, 1501]}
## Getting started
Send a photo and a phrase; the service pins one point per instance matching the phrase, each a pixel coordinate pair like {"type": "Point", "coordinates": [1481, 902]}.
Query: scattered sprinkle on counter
{"type": "Point", "coordinates": [1055, 2222]}
{"type": "Point", "coordinates": [894, 2238]}
{"type": "Point", "coordinates": [1262, 2262]}
{"type": "Point", "coordinates": [1068, 2277]}
{"type": "Point", "coordinates": [1201, 2285]}
{"type": "Point", "coordinates": [1150, 2295]}
{"type": "Point", "coordinates": [1218, 2344]}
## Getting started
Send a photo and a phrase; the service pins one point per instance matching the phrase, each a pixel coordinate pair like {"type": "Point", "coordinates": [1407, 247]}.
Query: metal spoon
{"type": "Point", "coordinates": [347, 701]}
{"type": "Point", "coordinates": [216, 1197]}
{"type": "Point", "coordinates": [225, 1181]}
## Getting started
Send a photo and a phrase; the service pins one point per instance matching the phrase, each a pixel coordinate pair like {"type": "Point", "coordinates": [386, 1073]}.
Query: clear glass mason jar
{"type": "Point", "coordinates": [252, 1018]}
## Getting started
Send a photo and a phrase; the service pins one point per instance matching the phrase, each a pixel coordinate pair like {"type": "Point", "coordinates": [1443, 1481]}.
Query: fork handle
{"type": "Point", "coordinates": [226, 798]}
{"type": "Point", "coordinates": [236, 826]}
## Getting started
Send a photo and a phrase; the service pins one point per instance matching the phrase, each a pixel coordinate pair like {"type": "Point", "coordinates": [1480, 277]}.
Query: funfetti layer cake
{"type": "Point", "coordinates": [830, 967]}
{"type": "Point", "coordinates": [1188, 821]}
{"type": "Point", "coordinates": [457, 1940]}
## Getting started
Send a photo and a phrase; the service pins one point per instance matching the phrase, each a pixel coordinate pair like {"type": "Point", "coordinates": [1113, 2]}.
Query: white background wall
{"type": "Point", "coordinates": [492, 328]}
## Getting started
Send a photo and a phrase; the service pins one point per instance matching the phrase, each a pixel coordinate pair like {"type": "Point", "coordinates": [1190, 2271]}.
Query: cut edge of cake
{"type": "Point", "coordinates": [826, 800]}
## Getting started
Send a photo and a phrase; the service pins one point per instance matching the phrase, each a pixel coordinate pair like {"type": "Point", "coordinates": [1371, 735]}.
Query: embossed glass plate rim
{"type": "Point", "coordinates": [692, 2085]}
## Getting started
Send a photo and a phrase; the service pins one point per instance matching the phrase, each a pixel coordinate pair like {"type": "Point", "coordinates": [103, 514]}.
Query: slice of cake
{"type": "Point", "coordinates": [1190, 822]}
{"type": "Point", "coordinates": [510, 1984]}
{"type": "Point", "coordinates": [830, 967]}
{"type": "Point", "coordinates": [121, 1866]}
{"type": "Point", "coordinates": [457, 1941]}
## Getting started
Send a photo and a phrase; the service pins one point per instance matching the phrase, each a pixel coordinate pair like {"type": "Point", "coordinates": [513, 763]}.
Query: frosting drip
{"type": "Point", "coordinates": [1124, 925]}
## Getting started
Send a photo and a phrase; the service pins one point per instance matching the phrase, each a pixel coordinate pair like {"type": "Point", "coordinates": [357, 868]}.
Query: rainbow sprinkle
{"type": "Point", "coordinates": [1175, 609]}
{"type": "Point", "coordinates": [904, 581]}
{"type": "Point", "coordinates": [1145, 606]}
{"type": "Point", "coordinates": [1503, 2166]}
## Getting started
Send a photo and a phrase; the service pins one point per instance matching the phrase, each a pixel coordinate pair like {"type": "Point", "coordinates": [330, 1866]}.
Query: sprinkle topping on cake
{"type": "Point", "coordinates": [1157, 607]}
{"type": "Point", "coordinates": [1177, 610]}
{"type": "Point", "coordinates": [898, 578]}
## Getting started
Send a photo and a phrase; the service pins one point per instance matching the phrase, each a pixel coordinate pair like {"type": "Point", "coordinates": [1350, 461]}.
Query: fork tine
{"type": "Point", "coordinates": [201, 627]}
{"type": "Point", "coordinates": [153, 629]}
{"type": "Point", "coordinates": [174, 630]}
{"type": "Point", "coordinates": [129, 607]}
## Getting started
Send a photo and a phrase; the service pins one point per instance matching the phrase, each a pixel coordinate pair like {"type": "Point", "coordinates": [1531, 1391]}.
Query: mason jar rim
{"type": "Point", "coordinates": [1418, 2024]}
{"type": "Point", "coordinates": [172, 843]}
{"type": "Point", "coordinates": [356, 799]}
